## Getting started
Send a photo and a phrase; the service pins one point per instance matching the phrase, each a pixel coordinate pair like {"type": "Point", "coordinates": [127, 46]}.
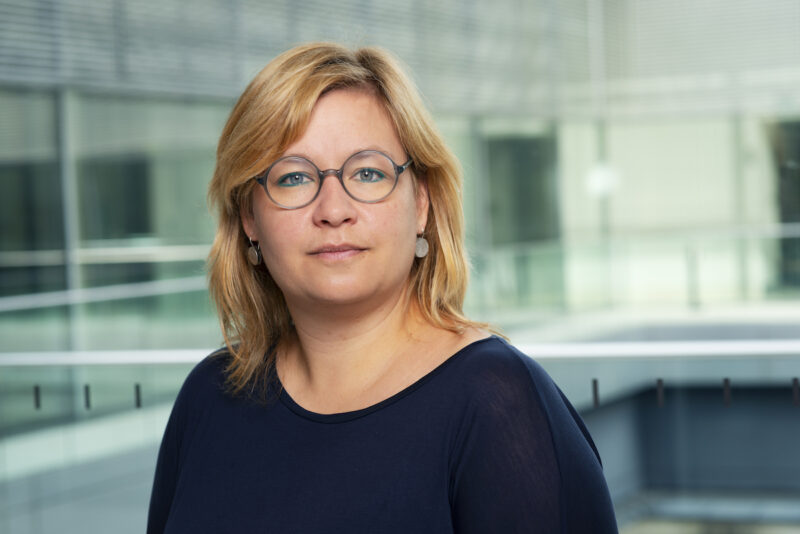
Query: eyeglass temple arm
{"type": "Point", "coordinates": [400, 168]}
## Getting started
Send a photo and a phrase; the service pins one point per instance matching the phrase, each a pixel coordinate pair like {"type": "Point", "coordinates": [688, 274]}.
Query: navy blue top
{"type": "Point", "coordinates": [484, 443]}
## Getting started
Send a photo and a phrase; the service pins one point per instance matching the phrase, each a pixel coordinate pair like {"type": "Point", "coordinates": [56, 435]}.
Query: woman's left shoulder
{"type": "Point", "coordinates": [502, 378]}
{"type": "Point", "coordinates": [494, 362]}
{"type": "Point", "coordinates": [516, 411]}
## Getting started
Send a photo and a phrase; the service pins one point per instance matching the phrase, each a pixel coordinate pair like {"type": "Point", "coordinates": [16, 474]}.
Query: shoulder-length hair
{"type": "Point", "coordinates": [271, 114]}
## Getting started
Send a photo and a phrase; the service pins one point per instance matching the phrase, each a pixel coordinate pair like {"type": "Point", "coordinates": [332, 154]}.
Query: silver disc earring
{"type": "Point", "coordinates": [421, 248]}
{"type": "Point", "coordinates": [253, 253]}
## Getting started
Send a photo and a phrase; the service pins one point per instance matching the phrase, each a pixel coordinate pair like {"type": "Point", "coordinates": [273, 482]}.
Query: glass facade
{"type": "Point", "coordinates": [632, 197]}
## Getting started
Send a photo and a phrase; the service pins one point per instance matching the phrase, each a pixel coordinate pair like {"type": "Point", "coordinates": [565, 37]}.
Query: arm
{"type": "Point", "coordinates": [166, 476]}
{"type": "Point", "coordinates": [524, 462]}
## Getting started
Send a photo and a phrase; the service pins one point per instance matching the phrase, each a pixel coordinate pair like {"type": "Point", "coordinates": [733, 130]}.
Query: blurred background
{"type": "Point", "coordinates": [632, 194]}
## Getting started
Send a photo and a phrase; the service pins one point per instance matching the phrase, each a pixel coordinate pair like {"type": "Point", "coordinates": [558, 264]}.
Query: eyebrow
{"type": "Point", "coordinates": [362, 149]}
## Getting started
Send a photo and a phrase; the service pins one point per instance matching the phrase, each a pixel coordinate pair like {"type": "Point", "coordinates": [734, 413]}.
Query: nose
{"type": "Point", "coordinates": [333, 206]}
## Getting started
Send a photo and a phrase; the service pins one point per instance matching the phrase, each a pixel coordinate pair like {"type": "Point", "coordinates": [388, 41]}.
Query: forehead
{"type": "Point", "coordinates": [345, 121]}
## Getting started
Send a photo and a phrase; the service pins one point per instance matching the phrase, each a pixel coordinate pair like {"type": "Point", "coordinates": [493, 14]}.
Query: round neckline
{"type": "Point", "coordinates": [341, 417]}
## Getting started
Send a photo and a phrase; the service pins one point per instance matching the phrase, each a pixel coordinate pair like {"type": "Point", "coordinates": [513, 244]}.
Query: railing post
{"type": "Point", "coordinates": [692, 278]}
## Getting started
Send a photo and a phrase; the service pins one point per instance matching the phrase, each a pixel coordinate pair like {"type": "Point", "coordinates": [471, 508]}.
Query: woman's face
{"type": "Point", "coordinates": [337, 250]}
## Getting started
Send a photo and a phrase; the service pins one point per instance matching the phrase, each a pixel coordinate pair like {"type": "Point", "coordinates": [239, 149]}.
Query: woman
{"type": "Point", "coordinates": [353, 395]}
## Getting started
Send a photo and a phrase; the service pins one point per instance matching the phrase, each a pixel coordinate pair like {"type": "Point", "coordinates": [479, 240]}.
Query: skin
{"type": "Point", "coordinates": [343, 267]}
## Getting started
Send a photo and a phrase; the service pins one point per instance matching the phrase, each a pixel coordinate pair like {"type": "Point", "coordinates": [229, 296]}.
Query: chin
{"type": "Point", "coordinates": [334, 294]}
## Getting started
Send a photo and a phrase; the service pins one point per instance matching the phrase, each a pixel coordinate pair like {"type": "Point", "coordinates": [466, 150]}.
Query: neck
{"type": "Point", "coordinates": [340, 353]}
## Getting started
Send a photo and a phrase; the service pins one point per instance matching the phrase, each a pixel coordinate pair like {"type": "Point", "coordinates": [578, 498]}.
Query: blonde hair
{"type": "Point", "coordinates": [271, 114]}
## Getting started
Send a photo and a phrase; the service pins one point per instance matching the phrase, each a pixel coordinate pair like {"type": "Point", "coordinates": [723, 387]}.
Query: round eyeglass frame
{"type": "Point", "coordinates": [398, 170]}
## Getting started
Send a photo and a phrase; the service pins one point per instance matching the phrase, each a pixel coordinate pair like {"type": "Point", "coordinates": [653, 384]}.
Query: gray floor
{"type": "Point", "coordinates": [688, 527]}
{"type": "Point", "coordinates": [98, 497]}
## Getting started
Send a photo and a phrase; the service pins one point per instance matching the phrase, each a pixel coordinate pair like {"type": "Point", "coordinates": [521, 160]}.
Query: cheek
{"type": "Point", "coordinates": [280, 262]}
{"type": "Point", "coordinates": [273, 246]}
{"type": "Point", "coordinates": [278, 238]}
{"type": "Point", "coordinates": [401, 232]}
{"type": "Point", "coordinates": [397, 223]}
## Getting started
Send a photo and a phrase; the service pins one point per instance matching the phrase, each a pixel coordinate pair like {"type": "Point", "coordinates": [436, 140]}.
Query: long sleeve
{"type": "Point", "coordinates": [166, 474]}
{"type": "Point", "coordinates": [180, 427]}
{"type": "Point", "coordinates": [524, 461]}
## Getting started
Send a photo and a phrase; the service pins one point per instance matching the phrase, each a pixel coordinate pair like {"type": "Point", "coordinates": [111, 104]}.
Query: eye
{"type": "Point", "coordinates": [294, 179]}
{"type": "Point", "coordinates": [368, 175]}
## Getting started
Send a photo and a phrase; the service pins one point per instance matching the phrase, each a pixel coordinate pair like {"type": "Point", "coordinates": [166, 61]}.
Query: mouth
{"type": "Point", "coordinates": [335, 252]}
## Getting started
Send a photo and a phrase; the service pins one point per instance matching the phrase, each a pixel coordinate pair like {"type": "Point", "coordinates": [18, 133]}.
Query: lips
{"type": "Point", "coordinates": [337, 251]}
{"type": "Point", "coordinates": [324, 249]}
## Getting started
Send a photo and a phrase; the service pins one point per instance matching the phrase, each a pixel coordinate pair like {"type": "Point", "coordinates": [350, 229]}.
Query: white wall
{"type": "Point", "coordinates": [674, 219]}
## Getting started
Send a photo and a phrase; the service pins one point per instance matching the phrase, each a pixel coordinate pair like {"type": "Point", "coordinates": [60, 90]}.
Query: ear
{"type": "Point", "coordinates": [423, 203]}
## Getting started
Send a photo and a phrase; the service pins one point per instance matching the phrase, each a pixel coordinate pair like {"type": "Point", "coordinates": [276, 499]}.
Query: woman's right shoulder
{"type": "Point", "coordinates": [198, 402]}
{"type": "Point", "coordinates": [207, 377]}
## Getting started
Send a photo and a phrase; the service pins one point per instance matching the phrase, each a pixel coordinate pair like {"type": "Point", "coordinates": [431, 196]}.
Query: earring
{"type": "Point", "coordinates": [253, 253]}
{"type": "Point", "coordinates": [421, 248]}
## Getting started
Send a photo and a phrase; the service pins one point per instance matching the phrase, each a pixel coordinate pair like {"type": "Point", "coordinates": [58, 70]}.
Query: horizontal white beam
{"type": "Point", "coordinates": [668, 349]}
{"type": "Point", "coordinates": [538, 351]}
{"type": "Point", "coordinates": [106, 254]}
{"type": "Point", "coordinates": [102, 357]}
{"type": "Point", "coordinates": [102, 293]}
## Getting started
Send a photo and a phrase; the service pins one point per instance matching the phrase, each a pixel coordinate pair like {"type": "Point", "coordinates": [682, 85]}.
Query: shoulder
{"type": "Point", "coordinates": [496, 354]}
{"type": "Point", "coordinates": [517, 411]}
{"type": "Point", "coordinates": [202, 398]}
{"type": "Point", "coordinates": [502, 380]}
{"type": "Point", "coordinates": [209, 373]}
{"type": "Point", "coordinates": [204, 383]}
{"type": "Point", "coordinates": [195, 399]}
{"type": "Point", "coordinates": [492, 365]}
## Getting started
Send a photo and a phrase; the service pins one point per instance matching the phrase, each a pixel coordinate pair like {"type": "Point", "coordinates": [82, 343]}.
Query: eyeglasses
{"type": "Point", "coordinates": [367, 176]}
